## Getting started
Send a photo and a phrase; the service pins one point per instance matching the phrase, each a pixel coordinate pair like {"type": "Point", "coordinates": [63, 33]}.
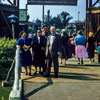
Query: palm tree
{"type": "Point", "coordinates": [65, 18]}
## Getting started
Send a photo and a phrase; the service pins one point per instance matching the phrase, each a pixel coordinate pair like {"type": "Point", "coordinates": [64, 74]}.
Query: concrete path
{"type": "Point", "coordinates": [62, 91]}
{"type": "Point", "coordinates": [75, 82]}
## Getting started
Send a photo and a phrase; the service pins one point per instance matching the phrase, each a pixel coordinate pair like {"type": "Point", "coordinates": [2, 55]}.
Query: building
{"type": "Point", "coordinates": [5, 25]}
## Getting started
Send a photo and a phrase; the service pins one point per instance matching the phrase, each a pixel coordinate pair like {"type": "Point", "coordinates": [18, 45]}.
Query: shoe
{"type": "Point", "coordinates": [79, 63]}
{"type": "Point", "coordinates": [35, 73]}
{"type": "Point", "coordinates": [82, 62]}
{"type": "Point", "coordinates": [55, 76]}
{"type": "Point", "coordinates": [65, 64]}
{"type": "Point", "coordinates": [26, 73]}
{"type": "Point", "coordinates": [93, 60]}
{"type": "Point", "coordinates": [46, 75]}
{"type": "Point", "coordinates": [30, 74]}
{"type": "Point", "coordinates": [41, 73]}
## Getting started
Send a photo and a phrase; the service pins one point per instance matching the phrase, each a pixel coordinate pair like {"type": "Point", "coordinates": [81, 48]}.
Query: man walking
{"type": "Point", "coordinates": [53, 49]}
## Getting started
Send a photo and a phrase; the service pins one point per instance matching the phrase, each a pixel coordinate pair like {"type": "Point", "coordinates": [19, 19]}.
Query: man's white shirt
{"type": "Point", "coordinates": [38, 40]}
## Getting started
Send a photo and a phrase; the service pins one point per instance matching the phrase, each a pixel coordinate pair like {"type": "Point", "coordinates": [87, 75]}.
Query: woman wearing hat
{"type": "Point", "coordinates": [90, 47]}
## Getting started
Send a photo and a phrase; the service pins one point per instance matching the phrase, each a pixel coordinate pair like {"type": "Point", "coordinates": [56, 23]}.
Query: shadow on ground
{"type": "Point", "coordinates": [78, 76]}
{"type": "Point", "coordinates": [50, 82]}
{"type": "Point", "coordinates": [63, 75]}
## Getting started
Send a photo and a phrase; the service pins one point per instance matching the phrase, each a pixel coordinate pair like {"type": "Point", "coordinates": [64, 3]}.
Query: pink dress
{"type": "Point", "coordinates": [72, 41]}
{"type": "Point", "coordinates": [81, 51]}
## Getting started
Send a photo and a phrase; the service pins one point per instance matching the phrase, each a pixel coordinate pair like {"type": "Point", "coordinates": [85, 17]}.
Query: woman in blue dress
{"type": "Point", "coordinates": [26, 58]}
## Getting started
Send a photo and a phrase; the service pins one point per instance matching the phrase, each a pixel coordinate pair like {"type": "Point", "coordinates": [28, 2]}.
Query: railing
{"type": "Point", "coordinates": [17, 87]}
{"type": "Point", "coordinates": [17, 70]}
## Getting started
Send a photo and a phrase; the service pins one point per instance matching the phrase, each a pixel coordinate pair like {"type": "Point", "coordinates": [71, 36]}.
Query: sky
{"type": "Point", "coordinates": [35, 11]}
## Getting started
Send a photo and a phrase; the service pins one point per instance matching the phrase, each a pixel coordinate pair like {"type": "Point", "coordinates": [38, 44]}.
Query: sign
{"type": "Point", "coordinates": [52, 2]}
{"type": "Point", "coordinates": [22, 15]}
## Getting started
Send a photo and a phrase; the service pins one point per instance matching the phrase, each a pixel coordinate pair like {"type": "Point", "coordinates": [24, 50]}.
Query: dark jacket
{"type": "Point", "coordinates": [38, 51]}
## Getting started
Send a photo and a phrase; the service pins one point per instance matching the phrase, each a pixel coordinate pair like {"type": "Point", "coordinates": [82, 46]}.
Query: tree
{"type": "Point", "coordinates": [56, 21]}
{"type": "Point", "coordinates": [38, 21]}
{"type": "Point", "coordinates": [61, 21]}
{"type": "Point", "coordinates": [65, 18]}
{"type": "Point", "coordinates": [47, 19]}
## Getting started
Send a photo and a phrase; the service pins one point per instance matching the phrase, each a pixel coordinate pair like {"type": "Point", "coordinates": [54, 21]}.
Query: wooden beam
{"type": "Point", "coordinates": [93, 12]}
{"type": "Point", "coordinates": [95, 3]}
{"type": "Point", "coordinates": [10, 2]}
{"type": "Point", "coordinates": [8, 8]}
{"type": "Point", "coordinates": [97, 32]}
{"type": "Point", "coordinates": [18, 3]}
{"type": "Point", "coordinates": [90, 3]}
{"type": "Point", "coordinates": [14, 2]}
{"type": "Point", "coordinates": [5, 19]}
{"type": "Point", "coordinates": [86, 23]}
{"type": "Point", "coordinates": [87, 2]}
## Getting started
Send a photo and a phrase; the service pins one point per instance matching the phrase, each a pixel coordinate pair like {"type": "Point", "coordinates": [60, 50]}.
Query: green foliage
{"type": "Point", "coordinates": [60, 22]}
{"type": "Point", "coordinates": [4, 92]}
{"type": "Point", "coordinates": [80, 27]}
{"type": "Point", "coordinates": [7, 53]}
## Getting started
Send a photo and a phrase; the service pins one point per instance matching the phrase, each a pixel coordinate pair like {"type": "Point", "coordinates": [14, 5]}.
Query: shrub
{"type": "Point", "coordinates": [7, 53]}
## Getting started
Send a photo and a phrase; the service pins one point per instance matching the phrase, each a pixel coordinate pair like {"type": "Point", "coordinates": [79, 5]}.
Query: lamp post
{"type": "Point", "coordinates": [12, 19]}
{"type": "Point", "coordinates": [43, 14]}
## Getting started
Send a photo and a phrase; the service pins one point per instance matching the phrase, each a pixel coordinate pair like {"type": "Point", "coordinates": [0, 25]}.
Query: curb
{"type": "Point", "coordinates": [16, 94]}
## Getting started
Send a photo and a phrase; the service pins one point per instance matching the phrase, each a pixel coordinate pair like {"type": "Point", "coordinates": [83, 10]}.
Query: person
{"type": "Point", "coordinates": [53, 50]}
{"type": "Point", "coordinates": [98, 49]}
{"type": "Point", "coordinates": [73, 44]}
{"type": "Point", "coordinates": [65, 53]}
{"type": "Point", "coordinates": [90, 47]}
{"type": "Point", "coordinates": [70, 35]}
{"type": "Point", "coordinates": [45, 31]}
{"type": "Point", "coordinates": [24, 44]}
{"type": "Point", "coordinates": [45, 34]}
{"type": "Point", "coordinates": [30, 36]}
{"type": "Point", "coordinates": [37, 49]}
{"type": "Point", "coordinates": [80, 43]}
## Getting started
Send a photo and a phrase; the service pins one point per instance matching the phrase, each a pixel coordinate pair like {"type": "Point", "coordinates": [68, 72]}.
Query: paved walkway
{"type": "Point", "coordinates": [75, 82]}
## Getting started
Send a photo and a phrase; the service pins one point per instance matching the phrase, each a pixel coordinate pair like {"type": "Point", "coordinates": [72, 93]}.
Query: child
{"type": "Point", "coordinates": [98, 49]}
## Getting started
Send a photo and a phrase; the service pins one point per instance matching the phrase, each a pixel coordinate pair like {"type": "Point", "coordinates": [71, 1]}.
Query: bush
{"type": "Point", "coordinates": [7, 53]}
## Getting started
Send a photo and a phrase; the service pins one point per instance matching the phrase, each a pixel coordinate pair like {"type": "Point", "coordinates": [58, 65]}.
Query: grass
{"type": "Point", "coordinates": [4, 92]}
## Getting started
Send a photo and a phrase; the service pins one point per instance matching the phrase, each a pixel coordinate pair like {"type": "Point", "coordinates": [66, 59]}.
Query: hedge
{"type": "Point", "coordinates": [7, 53]}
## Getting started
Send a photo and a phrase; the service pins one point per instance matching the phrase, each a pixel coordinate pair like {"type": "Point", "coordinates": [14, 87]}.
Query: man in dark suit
{"type": "Point", "coordinates": [53, 49]}
{"type": "Point", "coordinates": [38, 49]}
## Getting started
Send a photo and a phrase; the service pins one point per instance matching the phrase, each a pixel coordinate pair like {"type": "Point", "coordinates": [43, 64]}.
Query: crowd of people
{"type": "Point", "coordinates": [47, 47]}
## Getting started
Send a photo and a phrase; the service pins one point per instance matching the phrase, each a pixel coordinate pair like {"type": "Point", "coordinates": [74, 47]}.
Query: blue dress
{"type": "Point", "coordinates": [26, 57]}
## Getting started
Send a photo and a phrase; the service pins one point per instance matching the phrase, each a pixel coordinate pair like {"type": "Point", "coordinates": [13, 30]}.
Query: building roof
{"type": "Point", "coordinates": [78, 22]}
{"type": "Point", "coordinates": [6, 7]}
{"type": "Point", "coordinates": [28, 23]}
